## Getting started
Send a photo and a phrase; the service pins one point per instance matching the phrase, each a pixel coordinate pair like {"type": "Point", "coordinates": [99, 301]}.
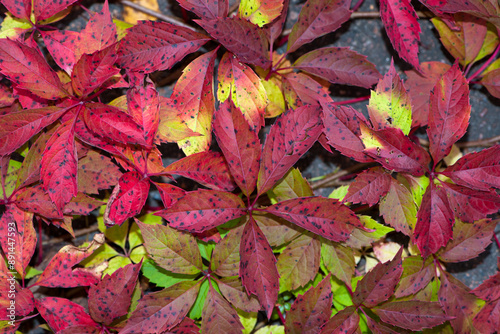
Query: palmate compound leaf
{"type": "Point", "coordinates": [298, 264]}
{"type": "Point", "coordinates": [390, 104]}
{"type": "Point", "coordinates": [59, 272]}
{"type": "Point", "coordinates": [369, 186]}
{"type": "Point", "coordinates": [345, 321]}
{"type": "Point", "coordinates": [290, 137]}
{"type": "Point", "coordinates": [339, 65]}
{"type": "Point", "coordinates": [28, 69]}
{"type": "Point", "coordinates": [310, 311]}
{"type": "Point", "coordinates": [477, 170]}
{"type": "Point", "coordinates": [412, 314]}
{"type": "Point", "coordinates": [398, 208]}
{"type": "Point", "coordinates": [193, 100]}
{"type": "Point", "coordinates": [469, 240]}
{"type": "Point", "coordinates": [449, 112]}
{"type": "Point", "coordinates": [202, 210]}
{"type": "Point", "coordinates": [258, 270]}
{"type": "Point", "coordinates": [379, 283]}
{"type": "Point", "coordinates": [207, 168]}
{"type": "Point", "coordinates": [206, 9]}
{"type": "Point", "coordinates": [59, 166]}
{"type": "Point", "coordinates": [395, 151]}
{"type": "Point", "coordinates": [111, 297]}
{"type": "Point", "coordinates": [434, 221]}
{"type": "Point", "coordinates": [260, 12]}
{"type": "Point", "coordinates": [402, 27]}
{"type": "Point", "coordinates": [155, 46]}
{"type": "Point", "coordinates": [160, 311]}
{"type": "Point", "coordinates": [61, 313]}
{"type": "Point", "coordinates": [239, 144]}
{"type": "Point", "coordinates": [218, 316]}
{"type": "Point", "coordinates": [246, 40]}
{"type": "Point", "coordinates": [18, 127]}
{"type": "Point", "coordinates": [316, 19]}
{"type": "Point", "coordinates": [240, 83]}
{"type": "Point", "coordinates": [173, 250]}
{"type": "Point", "coordinates": [342, 130]}
{"type": "Point", "coordinates": [323, 216]}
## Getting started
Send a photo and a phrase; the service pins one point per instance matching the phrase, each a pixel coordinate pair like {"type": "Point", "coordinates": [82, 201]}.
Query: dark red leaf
{"type": "Point", "coordinates": [96, 172]}
{"type": "Point", "coordinates": [44, 9]}
{"type": "Point", "coordinates": [206, 9]}
{"type": "Point", "coordinates": [154, 46]}
{"type": "Point", "coordinates": [489, 290]}
{"type": "Point", "coordinates": [202, 210]}
{"type": "Point", "coordinates": [323, 216]}
{"type": "Point", "coordinates": [20, 9]}
{"type": "Point", "coordinates": [412, 314]}
{"type": "Point", "coordinates": [169, 193]}
{"type": "Point", "coordinates": [218, 316]}
{"type": "Point", "coordinates": [300, 89]}
{"type": "Point", "coordinates": [35, 199]}
{"type": "Point", "coordinates": [186, 326]}
{"type": "Point", "coordinates": [81, 204]}
{"type": "Point", "coordinates": [99, 33]}
{"type": "Point", "coordinates": [258, 267]}
{"type": "Point", "coordinates": [60, 313]}
{"type": "Point", "coordinates": [417, 273]}
{"type": "Point", "coordinates": [345, 321]}
{"type": "Point", "coordinates": [369, 186]}
{"type": "Point", "coordinates": [62, 46]}
{"type": "Point", "coordinates": [488, 319]}
{"type": "Point", "coordinates": [275, 28]}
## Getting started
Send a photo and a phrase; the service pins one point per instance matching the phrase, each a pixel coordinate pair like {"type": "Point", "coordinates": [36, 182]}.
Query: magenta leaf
{"type": "Point", "coordinates": [154, 46]}
{"type": "Point", "coordinates": [403, 29]}
{"type": "Point", "coordinates": [60, 313]}
{"type": "Point", "coordinates": [339, 65]}
{"type": "Point", "coordinates": [413, 314]}
{"type": "Point", "coordinates": [283, 148]}
{"type": "Point", "coordinates": [345, 321]}
{"type": "Point", "coordinates": [35, 199]}
{"type": "Point", "coordinates": [20, 9]}
{"type": "Point", "coordinates": [207, 168]}
{"type": "Point", "coordinates": [258, 267]}
{"type": "Point", "coordinates": [489, 290]}
{"type": "Point", "coordinates": [379, 283]}
{"type": "Point", "coordinates": [81, 204]}
{"type": "Point", "coordinates": [61, 45]}
{"type": "Point", "coordinates": [218, 316]}
{"type": "Point", "coordinates": [369, 186]}
{"type": "Point", "coordinates": [202, 210]}
{"type": "Point", "coordinates": [488, 319]}
{"type": "Point", "coordinates": [240, 145]}
{"type": "Point", "coordinates": [99, 33]}
{"type": "Point", "coordinates": [206, 9]}
{"type": "Point", "coordinates": [169, 193]}
{"type": "Point", "coordinates": [15, 301]}
{"type": "Point", "coordinates": [323, 216]}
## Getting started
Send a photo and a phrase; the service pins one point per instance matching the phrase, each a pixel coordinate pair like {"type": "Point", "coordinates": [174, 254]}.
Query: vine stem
{"type": "Point", "coordinates": [358, 99]}
{"type": "Point", "coordinates": [282, 318]}
{"type": "Point", "coordinates": [473, 143]}
{"type": "Point", "coordinates": [486, 64]}
{"type": "Point", "coordinates": [329, 178]}
{"type": "Point", "coordinates": [163, 17]}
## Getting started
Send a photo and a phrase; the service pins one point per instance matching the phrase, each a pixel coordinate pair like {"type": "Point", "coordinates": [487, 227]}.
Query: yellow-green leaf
{"type": "Point", "coordinates": [260, 12]}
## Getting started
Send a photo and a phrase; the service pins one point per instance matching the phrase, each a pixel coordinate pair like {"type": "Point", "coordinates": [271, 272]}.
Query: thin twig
{"type": "Point", "coordinates": [333, 177]}
{"type": "Point", "coordinates": [160, 16]}
{"type": "Point", "coordinates": [78, 233]}
{"type": "Point", "coordinates": [473, 143]}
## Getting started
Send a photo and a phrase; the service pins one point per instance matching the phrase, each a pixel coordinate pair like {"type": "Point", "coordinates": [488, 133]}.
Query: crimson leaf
{"type": "Point", "coordinates": [412, 314]}
{"type": "Point", "coordinates": [369, 186]}
{"type": "Point", "coordinates": [60, 313]}
{"type": "Point", "coordinates": [218, 316]}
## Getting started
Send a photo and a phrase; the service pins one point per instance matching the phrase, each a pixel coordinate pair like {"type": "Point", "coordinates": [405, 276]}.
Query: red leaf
{"type": "Point", "coordinates": [239, 144]}
{"type": "Point", "coordinates": [470, 205]}
{"type": "Point", "coordinates": [15, 302]}
{"type": "Point", "coordinates": [132, 195]}
{"type": "Point", "coordinates": [99, 33]}
{"type": "Point", "coordinates": [412, 314]}
{"type": "Point", "coordinates": [59, 272]}
{"type": "Point", "coordinates": [416, 275]}
{"type": "Point", "coordinates": [478, 170]}
{"type": "Point", "coordinates": [489, 290]}
{"type": "Point", "coordinates": [218, 316]}
{"type": "Point", "coordinates": [275, 28]}
{"type": "Point", "coordinates": [62, 46]}
{"type": "Point", "coordinates": [488, 319]}
{"type": "Point", "coordinates": [186, 326]}
{"type": "Point", "coordinates": [342, 130]}
{"type": "Point", "coordinates": [403, 29]}
{"type": "Point", "coordinates": [395, 151]}
{"type": "Point", "coordinates": [59, 166]}
{"type": "Point", "coordinates": [339, 66]}
{"type": "Point", "coordinates": [469, 240]}
{"type": "Point", "coordinates": [449, 112]}
{"type": "Point", "coordinates": [28, 69]}
{"type": "Point", "coordinates": [235, 293]}
{"type": "Point", "coordinates": [35, 199]}
{"type": "Point", "coordinates": [208, 168]}
{"type": "Point", "coordinates": [60, 313]}
{"type": "Point", "coordinates": [44, 9]}
{"type": "Point", "coordinates": [310, 311]}
{"type": "Point", "coordinates": [323, 216]}
{"type": "Point", "coordinates": [86, 136]}
{"type": "Point", "coordinates": [434, 221]}
{"type": "Point", "coordinates": [18, 127]}
{"type": "Point", "coordinates": [317, 18]}
{"type": "Point", "coordinates": [379, 283]}
{"type": "Point", "coordinates": [96, 172]}
{"type": "Point", "coordinates": [345, 321]}
{"type": "Point", "coordinates": [258, 267]}
{"type": "Point", "coordinates": [369, 186]}
{"type": "Point", "coordinates": [160, 311]}
{"type": "Point", "coordinates": [92, 70]}
{"type": "Point", "coordinates": [202, 210]}
{"type": "Point", "coordinates": [278, 231]}
{"type": "Point", "coordinates": [491, 81]}
{"type": "Point", "coordinates": [112, 124]}
{"type": "Point", "coordinates": [169, 194]}
{"type": "Point", "coordinates": [419, 87]}
{"type": "Point", "coordinates": [206, 9]}
{"type": "Point", "coordinates": [20, 9]}
{"type": "Point", "coordinates": [111, 297]}
{"type": "Point", "coordinates": [300, 89]}
{"type": "Point", "coordinates": [154, 46]}
{"type": "Point", "coordinates": [246, 40]}
{"type": "Point", "coordinates": [283, 148]}
{"type": "Point", "coordinates": [81, 204]}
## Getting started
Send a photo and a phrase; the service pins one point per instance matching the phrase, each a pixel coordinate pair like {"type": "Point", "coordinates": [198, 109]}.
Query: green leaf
{"type": "Point", "coordinates": [338, 260]}
{"type": "Point", "coordinates": [248, 320]}
{"type": "Point", "coordinates": [13, 26]}
{"type": "Point", "coordinates": [161, 277]}
{"type": "Point", "coordinates": [293, 185]}
{"type": "Point", "coordinates": [118, 234]}
{"type": "Point", "coordinates": [197, 308]}
{"type": "Point", "coordinates": [360, 238]}
{"type": "Point", "coordinates": [116, 263]}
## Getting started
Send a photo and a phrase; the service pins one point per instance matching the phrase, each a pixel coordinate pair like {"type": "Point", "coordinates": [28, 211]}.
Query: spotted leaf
{"type": "Point", "coordinates": [63, 47]}
{"type": "Point", "coordinates": [412, 314]}
{"type": "Point", "coordinates": [61, 313]}
{"type": "Point", "coordinates": [489, 290]}
{"type": "Point", "coordinates": [233, 290]}
{"type": "Point", "coordinates": [171, 127]}
{"type": "Point", "coordinates": [488, 319]}
{"type": "Point", "coordinates": [111, 297]}
{"type": "Point", "coordinates": [202, 210]}
{"type": "Point", "coordinates": [132, 194]}
{"type": "Point", "coordinates": [218, 316]}
{"type": "Point", "coordinates": [345, 321]}
{"type": "Point", "coordinates": [239, 144]}
{"type": "Point", "coordinates": [300, 89]}
{"type": "Point", "coordinates": [258, 267]}
{"type": "Point", "coordinates": [379, 283]}
{"type": "Point", "coordinates": [417, 273]}
{"type": "Point", "coordinates": [99, 33]}
{"type": "Point", "coordinates": [226, 254]}
{"type": "Point", "coordinates": [82, 205]}
{"type": "Point", "coordinates": [323, 216]}
{"type": "Point", "coordinates": [339, 65]}
{"type": "Point", "coordinates": [402, 27]}
{"type": "Point", "coordinates": [45, 9]}
{"type": "Point", "coordinates": [398, 208]}
{"type": "Point", "coordinates": [206, 9]}
{"type": "Point", "coordinates": [449, 112]}
{"type": "Point", "coordinates": [369, 186]}
{"type": "Point", "coordinates": [284, 148]}
{"type": "Point", "coordinates": [293, 185]}
{"type": "Point", "coordinates": [15, 299]}
{"type": "Point", "coordinates": [155, 46]}
{"type": "Point", "coordinates": [169, 193]}
{"type": "Point", "coordinates": [260, 12]}
{"type": "Point", "coordinates": [309, 312]}
{"type": "Point", "coordinates": [35, 199]}
{"type": "Point", "coordinates": [207, 168]}
{"type": "Point", "coordinates": [276, 27]}
{"type": "Point", "coordinates": [339, 260]}
{"type": "Point", "coordinates": [96, 172]}
{"type": "Point", "coordinates": [20, 9]}
{"type": "Point", "coordinates": [161, 311]}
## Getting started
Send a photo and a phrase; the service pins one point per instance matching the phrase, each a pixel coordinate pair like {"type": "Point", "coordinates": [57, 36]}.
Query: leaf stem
{"type": "Point", "coordinates": [485, 65]}
{"type": "Point", "coordinates": [357, 5]}
{"type": "Point", "coordinates": [282, 318]}
{"type": "Point", "coordinates": [329, 178]}
{"type": "Point", "coordinates": [358, 99]}
{"type": "Point", "coordinates": [496, 240]}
